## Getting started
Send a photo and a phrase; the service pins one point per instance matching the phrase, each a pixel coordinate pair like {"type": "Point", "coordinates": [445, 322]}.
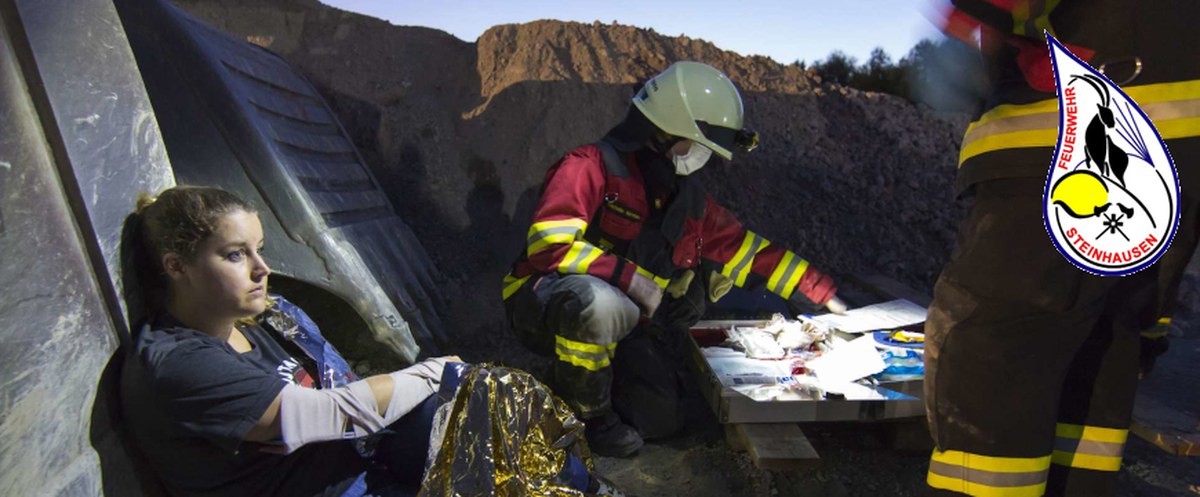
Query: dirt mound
{"type": "Point", "coordinates": [613, 54]}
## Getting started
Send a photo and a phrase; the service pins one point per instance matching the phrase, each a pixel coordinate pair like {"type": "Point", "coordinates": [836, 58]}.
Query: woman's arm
{"type": "Point", "coordinates": [267, 427]}
{"type": "Point", "coordinates": [301, 415]}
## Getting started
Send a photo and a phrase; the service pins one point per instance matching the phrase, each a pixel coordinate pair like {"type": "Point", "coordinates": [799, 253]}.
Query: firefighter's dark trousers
{"type": "Point", "coordinates": [577, 320]}
{"type": "Point", "coordinates": [1031, 363]}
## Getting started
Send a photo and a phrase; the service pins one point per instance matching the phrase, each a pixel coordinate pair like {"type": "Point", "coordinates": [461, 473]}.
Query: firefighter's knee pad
{"type": "Point", "coordinates": [593, 311]}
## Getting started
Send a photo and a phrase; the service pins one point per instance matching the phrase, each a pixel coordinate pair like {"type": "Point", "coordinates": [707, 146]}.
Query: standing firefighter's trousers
{"type": "Point", "coordinates": [1031, 363]}
{"type": "Point", "coordinates": [577, 320]}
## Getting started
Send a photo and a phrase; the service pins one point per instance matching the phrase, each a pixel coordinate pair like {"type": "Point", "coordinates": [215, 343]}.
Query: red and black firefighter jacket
{"type": "Point", "coordinates": [594, 217]}
{"type": "Point", "coordinates": [1016, 133]}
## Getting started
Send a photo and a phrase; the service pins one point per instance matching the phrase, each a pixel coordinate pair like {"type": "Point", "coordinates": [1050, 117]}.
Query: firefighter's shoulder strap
{"type": "Point", "coordinates": [613, 162]}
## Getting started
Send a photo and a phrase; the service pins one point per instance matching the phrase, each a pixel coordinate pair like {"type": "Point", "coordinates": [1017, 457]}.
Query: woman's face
{"type": "Point", "coordinates": [227, 276]}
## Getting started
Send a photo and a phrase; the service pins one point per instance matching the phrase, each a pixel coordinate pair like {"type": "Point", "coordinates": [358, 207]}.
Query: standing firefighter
{"type": "Point", "coordinates": [618, 220]}
{"type": "Point", "coordinates": [1032, 363]}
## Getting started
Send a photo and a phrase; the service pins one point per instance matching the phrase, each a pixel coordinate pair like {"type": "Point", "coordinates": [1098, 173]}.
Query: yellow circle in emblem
{"type": "Point", "coordinates": [1080, 193]}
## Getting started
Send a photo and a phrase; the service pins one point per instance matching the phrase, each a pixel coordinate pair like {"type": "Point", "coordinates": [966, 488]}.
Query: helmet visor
{"type": "Point", "coordinates": [722, 136]}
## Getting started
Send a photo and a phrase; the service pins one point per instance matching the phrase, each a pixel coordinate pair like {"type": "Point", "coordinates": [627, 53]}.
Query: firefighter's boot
{"type": "Point", "coordinates": [608, 436]}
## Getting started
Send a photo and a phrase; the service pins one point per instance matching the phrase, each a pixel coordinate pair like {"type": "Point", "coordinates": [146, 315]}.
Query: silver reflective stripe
{"type": "Point", "coordinates": [564, 230]}
{"type": "Point", "coordinates": [989, 478]}
{"type": "Point", "coordinates": [755, 246]}
{"type": "Point", "coordinates": [1178, 109]}
{"type": "Point", "coordinates": [584, 252]}
{"type": "Point", "coordinates": [1158, 112]}
{"type": "Point", "coordinates": [1161, 111]}
{"type": "Point", "coordinates": [1042, 120]}
{"type": "Point", "coordinates": [1090, 447]}
{"type": "Point", "coordinates": [787, 274]}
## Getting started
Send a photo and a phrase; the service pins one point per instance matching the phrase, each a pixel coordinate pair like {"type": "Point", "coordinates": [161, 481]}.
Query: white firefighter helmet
{"type": "Point", "coordinates": [694, 101]}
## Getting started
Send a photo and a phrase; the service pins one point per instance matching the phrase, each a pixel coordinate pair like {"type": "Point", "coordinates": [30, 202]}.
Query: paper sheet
{"type": "Point", "coordinates": [736, 368]}
{"type": "Point", "coordinates": [882, 316]}
{"type": "Point", "coordinates": [848, 362]}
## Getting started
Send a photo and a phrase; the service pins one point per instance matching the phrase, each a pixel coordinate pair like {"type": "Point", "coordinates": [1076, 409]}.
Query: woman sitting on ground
{"type": "Point", "coordinates": [230, 391]}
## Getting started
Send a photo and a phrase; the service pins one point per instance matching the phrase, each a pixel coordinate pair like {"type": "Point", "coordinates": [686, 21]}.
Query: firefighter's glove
{"type": "Point", "coordinates": [645, 293]}
{"type": "Point", "coordinates": [718, 285]}
{"type": "Point", "coordinates": [683, 311]}
{"type": "Point", "coordinates": [814, 291]}
{"type": "Point", "coordinates": [679, 285]}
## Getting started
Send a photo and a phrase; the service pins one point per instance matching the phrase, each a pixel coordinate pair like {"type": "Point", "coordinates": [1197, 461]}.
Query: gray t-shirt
{"type": "Point", "coordinates": [189, 399]}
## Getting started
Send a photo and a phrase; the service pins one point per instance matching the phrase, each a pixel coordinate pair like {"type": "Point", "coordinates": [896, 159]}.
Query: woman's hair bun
{"type": "Point", "coordinates": [144, 199]}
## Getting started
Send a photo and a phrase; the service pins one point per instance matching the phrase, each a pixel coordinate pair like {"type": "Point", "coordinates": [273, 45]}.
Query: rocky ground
{"type": "Point", "coordinates": [460, 134]}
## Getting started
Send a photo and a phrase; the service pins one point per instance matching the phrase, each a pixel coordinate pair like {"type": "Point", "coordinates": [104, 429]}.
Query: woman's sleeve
{"type": "Point", "coordinates": [211, 393]}
{"type": "Point", "coordinates": [352, 411]}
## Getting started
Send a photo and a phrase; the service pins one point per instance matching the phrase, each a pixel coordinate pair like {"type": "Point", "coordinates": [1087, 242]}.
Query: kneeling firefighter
{"type": "Point", "coordinates": [617, 220]}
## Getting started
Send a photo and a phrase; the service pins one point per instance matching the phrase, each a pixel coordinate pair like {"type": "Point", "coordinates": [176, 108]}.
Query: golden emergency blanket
{"type": "Point", "coordinates": [505, 435]}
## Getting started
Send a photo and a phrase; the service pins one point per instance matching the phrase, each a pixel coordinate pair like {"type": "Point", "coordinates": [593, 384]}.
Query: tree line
{"type": "Point", "coordinates": [880, 74]}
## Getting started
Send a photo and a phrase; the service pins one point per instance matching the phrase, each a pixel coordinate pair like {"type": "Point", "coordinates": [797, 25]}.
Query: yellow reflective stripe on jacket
{"type": "Point", "coordinates": [579, 257]}
{"type": "Point", "coordinates": [1173, 107]}
{"type": "Point", "coordinates": [1088, 447]}
{"type": "Point", "coordinates": [739, 265]}
{"type": "Point", "coordinates": [512, 284]}
{"type": "Point", "coordinates": [661, 282]}
{"type": "Point", "coordinates": [559, 231]}
{"type": "Point", "coordinates": [585, 355]}
{"type": "Point", "coordinates": [786, 276]}
{"type": "Point", "coordinates": [988, 476]}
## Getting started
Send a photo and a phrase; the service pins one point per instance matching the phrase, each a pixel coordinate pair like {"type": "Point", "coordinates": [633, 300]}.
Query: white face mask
{"type": "Point", "coordinates": [693, 160]}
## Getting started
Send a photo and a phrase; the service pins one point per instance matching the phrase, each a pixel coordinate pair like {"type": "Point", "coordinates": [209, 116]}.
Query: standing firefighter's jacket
{"type": "Point", "coordinates": [1141, 46]}
{"type": "Point", "coordinates": [597, 217]}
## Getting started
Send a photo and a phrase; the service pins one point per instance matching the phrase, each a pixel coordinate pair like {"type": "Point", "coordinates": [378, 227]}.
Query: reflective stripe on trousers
{"type": "Point", "coordinates": [1075, 446]}
{"type": "Point", "coordinates": [577, 320]}
{"type": "Point", "coordinates": [585, 355]}
{"type": "Point", "coordinates": [988, 476]}
{"type": "Point", "coordinates": [1088, 447]}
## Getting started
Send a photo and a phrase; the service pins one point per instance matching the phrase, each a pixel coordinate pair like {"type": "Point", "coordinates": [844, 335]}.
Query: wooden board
{"type": "Point", "coordinates": [773, 446]}
{"type": "Point", "coordinates": [1174, 431]}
